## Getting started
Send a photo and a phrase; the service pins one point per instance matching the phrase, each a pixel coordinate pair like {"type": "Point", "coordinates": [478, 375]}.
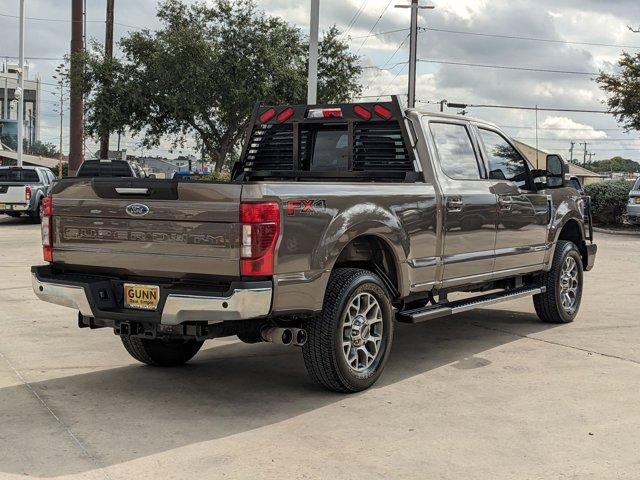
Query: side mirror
{"type": "Point", "coordinates": [557, 171]}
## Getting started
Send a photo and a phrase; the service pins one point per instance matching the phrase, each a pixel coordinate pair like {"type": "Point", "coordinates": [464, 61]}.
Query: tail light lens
{"type": "Point", "coordinates": [47, 229]}
{"type": "Point", "coordinates": [27, 193]}
{"type": "Point", "coordinates": [260, 232]}
{"type": "Point", "coordinates": [382, 111]}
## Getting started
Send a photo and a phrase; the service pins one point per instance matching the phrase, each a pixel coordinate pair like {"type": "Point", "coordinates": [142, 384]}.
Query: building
{"type": "Point", "coordinates": [538, 159]}
{"type": "Point", "coordinates": [9, 107]}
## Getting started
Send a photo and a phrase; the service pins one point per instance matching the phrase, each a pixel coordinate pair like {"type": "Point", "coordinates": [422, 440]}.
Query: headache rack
{"type": "Point", "coordinates": [364, 141]}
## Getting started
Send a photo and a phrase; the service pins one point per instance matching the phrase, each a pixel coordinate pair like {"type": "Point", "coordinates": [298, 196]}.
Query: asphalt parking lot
{"type": "Point", "coordinates": [492, 394]}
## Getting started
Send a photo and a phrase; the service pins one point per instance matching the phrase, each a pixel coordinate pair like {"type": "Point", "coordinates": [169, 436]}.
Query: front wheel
{"type": "Point", "coordinates": [349, 342]}
{"type": "Point", "coordinates": [561, 302]}
{"type": "Point", "coordinates": [161, 353]}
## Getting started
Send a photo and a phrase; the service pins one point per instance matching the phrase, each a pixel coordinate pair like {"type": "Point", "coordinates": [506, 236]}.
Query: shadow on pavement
{"type": "Point", "coordinates": [131, 412]}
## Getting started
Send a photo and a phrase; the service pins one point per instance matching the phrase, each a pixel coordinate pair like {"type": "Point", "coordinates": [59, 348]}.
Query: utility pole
{"type": "Point", "coordinates": [314, 27]}
{"type": "Point", "coordinates": [442, 104]}
{"type": "Point", "coordinates": [20, 95]}
{"type": "Point", "coordinates": [571, 151]}
{"type": "Point", "coordinates": [76, 133]}
{"type": "Point", "coordinates": [413, 49]}
{"type": "Point", "coordinates": [108, 54]}
{"type": "Point", "coordinates": [62, 82]}
{"type": "Point", "coordinates": [591, 155]}
{"type": "Point", "coordinates": [584, 159]}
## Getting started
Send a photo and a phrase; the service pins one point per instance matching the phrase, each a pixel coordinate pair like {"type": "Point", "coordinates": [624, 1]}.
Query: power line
{"type": "Point", "coordinates": [64, 20]}
{"type": "Point", "coordinates": [506, 67]}
{"type": "Point", "coordinates": [374, 26]}
{"type": "Point", "coordinates": [355, 18]}
{"type": "Point", "coordinates": [534, 39]}
{"type": "Point", "coordinates": [381, 33]}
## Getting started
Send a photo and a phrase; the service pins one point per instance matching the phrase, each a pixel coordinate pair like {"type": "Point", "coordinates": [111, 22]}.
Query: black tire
{"type": "Point", "coordinates": [36, 216]}
{"type": "Point", "coordinates": [161, 353]}
{"type": "Point", "coordinates": [549, 305]}
{"type": "Point", "coordinates": [324, 353]}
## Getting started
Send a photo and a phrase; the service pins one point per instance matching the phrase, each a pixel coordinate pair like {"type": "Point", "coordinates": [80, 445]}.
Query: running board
{"type": "Point", "coordinates": [445, 309]}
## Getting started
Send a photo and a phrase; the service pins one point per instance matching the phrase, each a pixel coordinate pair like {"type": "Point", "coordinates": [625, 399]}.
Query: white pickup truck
{"type": "Point", "coordinates": [22, 190]}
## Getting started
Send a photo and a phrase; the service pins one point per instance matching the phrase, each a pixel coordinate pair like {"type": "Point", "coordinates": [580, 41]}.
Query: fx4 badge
{"type": "Point", "coordinates": [305, 207]}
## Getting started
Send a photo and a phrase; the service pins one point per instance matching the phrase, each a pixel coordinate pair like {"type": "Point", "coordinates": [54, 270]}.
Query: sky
{"type": "Point", "coordinates": [579, 36]}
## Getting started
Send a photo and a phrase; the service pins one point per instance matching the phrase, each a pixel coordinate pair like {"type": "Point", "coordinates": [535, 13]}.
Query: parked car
{"type": "Point", "coordinates": [633, 208]}
{"type": "Point", "coordinates": [22, 190]}
{"type": "Point", "coordinates": [339, 222]}
{"type": "Point", "coordinates": [109, 169]}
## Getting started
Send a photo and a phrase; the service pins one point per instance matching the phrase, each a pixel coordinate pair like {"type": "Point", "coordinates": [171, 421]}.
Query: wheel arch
{"type": "Point", "coordinates": [572, 230]}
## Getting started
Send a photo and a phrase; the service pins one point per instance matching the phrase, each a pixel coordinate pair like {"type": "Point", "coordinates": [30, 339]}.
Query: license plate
{"type": "Point", "coordinates": [3, 206]}
{"type": "Point", "coordinates": [637, 199]}
{"type": "Point", "coordinates": [141, 297]}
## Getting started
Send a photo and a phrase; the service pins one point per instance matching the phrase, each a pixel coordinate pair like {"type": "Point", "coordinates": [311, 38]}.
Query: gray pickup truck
{"type": "Point", "coordinates": [339, 222]}
{"type": "Point", "coordinates": [22, 190]}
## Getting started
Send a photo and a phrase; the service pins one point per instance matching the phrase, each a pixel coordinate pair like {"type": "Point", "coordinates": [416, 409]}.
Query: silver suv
{"type": "Point", "coordinates": [633, 207]}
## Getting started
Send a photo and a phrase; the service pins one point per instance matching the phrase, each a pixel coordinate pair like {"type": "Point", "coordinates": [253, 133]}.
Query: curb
{"type": "Point", "coordinates": [616, 232]}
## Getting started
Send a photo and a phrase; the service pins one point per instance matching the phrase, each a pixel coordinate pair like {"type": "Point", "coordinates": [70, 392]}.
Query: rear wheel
{"type": "Point", "coordinates": [161, 353]}
{"type": "Point", "coordinates": [36, 216]}
{"type": "Point", "coordinates": [561, 302]}
{"type": "Point", "coordinates": [349, 343]}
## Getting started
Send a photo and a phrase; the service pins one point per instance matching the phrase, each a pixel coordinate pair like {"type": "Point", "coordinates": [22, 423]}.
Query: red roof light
{"type": "Point", "coordinates": [267, 115]}
{"type": "Point", "coordinates": [382, 112]}
{"type": "Point", "coordinates": [286, 114]}
{"type": "Point", "coordinates": [362, 112]}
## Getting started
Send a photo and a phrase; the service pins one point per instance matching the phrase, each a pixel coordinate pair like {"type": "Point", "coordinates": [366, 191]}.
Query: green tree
{"type": "Point", "coordinates": [200, 74]}
{"type": "Point", "coordinates": [623, 89]}
{"type": "Point", "coordinates": [615, 164]}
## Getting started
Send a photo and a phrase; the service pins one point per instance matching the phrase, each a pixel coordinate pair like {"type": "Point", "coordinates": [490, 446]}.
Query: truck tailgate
{"type": "Point", "coordinates": [158, 228]}
{"type": "Point", "coordinates": [12, 194]}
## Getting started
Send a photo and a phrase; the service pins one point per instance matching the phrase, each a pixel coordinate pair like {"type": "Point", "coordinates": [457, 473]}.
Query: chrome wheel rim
{"type": "Point", "coordinates": [569, 285]}
{"type": "Point", "coordinates": [362, 328]}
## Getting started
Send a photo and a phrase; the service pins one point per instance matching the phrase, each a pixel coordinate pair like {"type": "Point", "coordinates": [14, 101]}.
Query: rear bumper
{"type": "Point", "coordinates": [101, 297]}
{"type": "Point", "coordinates": [14, 207]}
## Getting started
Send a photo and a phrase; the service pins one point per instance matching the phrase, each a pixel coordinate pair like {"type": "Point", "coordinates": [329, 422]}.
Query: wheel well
{"type": "Point", "coordinates": [571, 232]}
{"type": "Point", "coordinates": [371, 253]}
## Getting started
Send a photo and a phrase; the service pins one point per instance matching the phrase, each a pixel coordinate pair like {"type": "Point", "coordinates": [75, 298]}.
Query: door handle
{"type": "Point", "coordinates": [454, 204]}
{"type": "Point", "coordinates": [505, 204]}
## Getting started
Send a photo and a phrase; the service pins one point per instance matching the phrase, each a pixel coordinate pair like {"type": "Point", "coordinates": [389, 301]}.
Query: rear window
{"type": "Point", "coordinates": [105, 169]}
{"type": "Point", "coordinates": [18, 175]}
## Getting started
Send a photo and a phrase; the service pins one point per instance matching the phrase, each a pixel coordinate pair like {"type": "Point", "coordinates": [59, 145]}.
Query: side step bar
{"type": "Point", "coordinates": [444, 309]}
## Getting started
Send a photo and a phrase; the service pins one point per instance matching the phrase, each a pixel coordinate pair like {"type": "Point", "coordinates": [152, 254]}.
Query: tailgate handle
{"type": "Point", "coordinates": [132, 191]}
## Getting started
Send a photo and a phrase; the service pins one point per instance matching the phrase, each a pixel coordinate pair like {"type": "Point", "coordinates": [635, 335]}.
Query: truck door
{"type": "Point", "coordinates": [523, 213]}
{"type": "Point", "coordinates": [470, 206]}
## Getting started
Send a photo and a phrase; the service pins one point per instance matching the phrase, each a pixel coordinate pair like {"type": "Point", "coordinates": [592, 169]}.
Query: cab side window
{"type": "Point", "coordinates": [455, 150]}
{"type": "Point", "coordinates": [505, 163]}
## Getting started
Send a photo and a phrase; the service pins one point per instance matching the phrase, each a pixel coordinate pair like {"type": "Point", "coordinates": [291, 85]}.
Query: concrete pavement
{"type": "Point", "coordinates": [491, 394]}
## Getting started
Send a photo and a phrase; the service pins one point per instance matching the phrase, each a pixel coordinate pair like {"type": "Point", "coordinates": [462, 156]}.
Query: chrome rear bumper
{"type": "Point", "coordinates": [242, 304]}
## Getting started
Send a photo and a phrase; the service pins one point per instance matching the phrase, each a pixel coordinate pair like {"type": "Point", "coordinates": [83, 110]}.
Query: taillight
{"type": "Point", "coordinates": [47, 229]}
{"type": "Point", "coordinates": [260, 231]}
{"type": "Point", "coordinates": [27, 193]}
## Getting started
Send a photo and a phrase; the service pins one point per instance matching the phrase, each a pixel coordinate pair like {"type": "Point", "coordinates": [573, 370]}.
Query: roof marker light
{"type": "Point", "coordinates": [362, 112]}
{"type": "Point", "coordinates": [267, 115]}
{"type": "Point", "coordinates": [286, 114]}
{"type": "Point", "coordinates": [382, 112]}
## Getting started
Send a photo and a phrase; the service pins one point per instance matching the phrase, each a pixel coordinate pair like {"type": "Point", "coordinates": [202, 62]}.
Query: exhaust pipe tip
{"type": "Point", "coordinates": [299, 337]}
{"type": "Point", "coordinates": [281, 336]}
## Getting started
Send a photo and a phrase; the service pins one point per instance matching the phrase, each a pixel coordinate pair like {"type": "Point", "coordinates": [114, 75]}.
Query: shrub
{"type": "Point", "coordinates": [215, 177]}
{"type": "Point", "coordinates": [609, 201]}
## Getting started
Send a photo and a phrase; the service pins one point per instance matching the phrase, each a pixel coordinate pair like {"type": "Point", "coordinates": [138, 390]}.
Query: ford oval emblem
{"type": "Point", "coordinates": [137, 209]}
